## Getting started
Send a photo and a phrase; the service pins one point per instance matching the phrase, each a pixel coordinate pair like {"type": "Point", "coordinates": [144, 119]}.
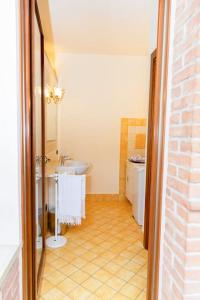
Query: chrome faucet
{"type": "Point", "coordinates": [63, 158]}
{"type": "Point", "coordinates": [38, 160]}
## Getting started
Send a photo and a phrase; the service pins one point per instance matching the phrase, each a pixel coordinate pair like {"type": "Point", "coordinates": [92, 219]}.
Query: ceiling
{"type": "Point", "coordinates": [45, 18]}
{"type": "Point", "coordinates": [101, 26]}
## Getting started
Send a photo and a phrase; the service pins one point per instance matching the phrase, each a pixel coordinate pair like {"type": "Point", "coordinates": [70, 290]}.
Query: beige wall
{"type": "Point", "coordinates": [51, 109]}
{"type": "Point", "coordinates": [100, 90]}
{"type": "Point", "coordinates": [10, 214]}
{"type": "Point", "coordinates": [10, 151]}
{"type": "Point", "coordinates": [154, 24]}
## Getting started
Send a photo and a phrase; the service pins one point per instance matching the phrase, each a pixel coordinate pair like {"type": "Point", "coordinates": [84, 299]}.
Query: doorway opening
{"type": "Point", "coordinates": [105, 255]}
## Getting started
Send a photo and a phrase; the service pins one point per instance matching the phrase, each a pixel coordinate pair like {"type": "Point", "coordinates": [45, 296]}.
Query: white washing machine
{"type": "Point", "coordinates": [135, 189]}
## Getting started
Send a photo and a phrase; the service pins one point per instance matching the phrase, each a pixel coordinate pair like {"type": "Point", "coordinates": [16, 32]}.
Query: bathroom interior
{"type": "Point", "coordinates": [90, 208]}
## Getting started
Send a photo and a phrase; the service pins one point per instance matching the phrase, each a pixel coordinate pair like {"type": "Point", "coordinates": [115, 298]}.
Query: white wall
{"type": "Point", "coordinates": [51, 108]}
{"type": "Point", "coordinates": [100, 90]}
{"type": "Point", "coordinates": [9, 125]}
{"type": "Point", "coordinates": [154, 25]}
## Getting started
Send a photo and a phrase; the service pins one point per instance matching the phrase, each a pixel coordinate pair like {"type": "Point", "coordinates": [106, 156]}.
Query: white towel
{"type": "Point", "coordinates": [71, 198]}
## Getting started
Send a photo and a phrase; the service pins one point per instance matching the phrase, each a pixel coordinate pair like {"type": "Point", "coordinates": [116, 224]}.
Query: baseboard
{"type": "Point", "coordinates": [102, 197]}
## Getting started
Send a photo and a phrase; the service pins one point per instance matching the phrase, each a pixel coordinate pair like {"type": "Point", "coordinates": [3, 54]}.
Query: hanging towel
{"type": "Point", "coordinates": [71, 198]}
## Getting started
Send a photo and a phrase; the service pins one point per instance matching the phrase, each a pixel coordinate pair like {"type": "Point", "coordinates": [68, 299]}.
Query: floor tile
{"type": "Point", "coordinates": [58, 263]}
{"type": "Point", "coordinates": [102, 275]}
{"type": "Point", "coordinates": [125, 274]}
{"type": "Point", "coordinates": [51, 257]}
{"type": "Point", "coordinates": [48, 269]}
{"type": "Point", "coordinates": [79, 276]}
{"type": "Point", "coordinates": [105, 292]}
{"type": "Point", "coordinates": [79, 293]}
{"type": "Point", "coordinates": [79, 262]}
{"type": "Point", "coordinates": [55, 294]}
{"type": "Point", "coordinates": [68, 269]}
{"type": "Point", "coordinates": [90, 268]}
{"type": "Point", "coordinates": [67, 286]}
{"type": "Point", "coordinates": [138, 281]}
{"type": "Point", "coordinates": [100, 261]}
{"type": "Point", "coordinates": [111, 267]}
{"type": "Point", "coordinates": [92, 284]}
{"type": "Point", "coordinates": [132, 266]}
{"type": "Point", "coordinates": [142, 296]}
{"type": "Point", "coordinates": [93, 297]}
{"type": "Point", "coordinates": [115, 283]}
{"type": "Point", "coordinates": [119, 296]}
{"type": "Point", "coordinates": [130, 291]}
{"type": "Point", "coordinates": [45, 287]}
{"type": "Point", "coordinates": [55, 277]}
{"type": "Point", "coordinates": [103, 259]}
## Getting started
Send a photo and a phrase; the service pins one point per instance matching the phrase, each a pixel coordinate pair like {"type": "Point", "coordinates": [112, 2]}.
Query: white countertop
{"type": "Point", "coordinates": [8, 255]}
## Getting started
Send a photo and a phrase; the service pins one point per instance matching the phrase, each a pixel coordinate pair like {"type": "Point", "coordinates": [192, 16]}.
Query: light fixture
{"type": "Point", "coordinates": [54, 94]}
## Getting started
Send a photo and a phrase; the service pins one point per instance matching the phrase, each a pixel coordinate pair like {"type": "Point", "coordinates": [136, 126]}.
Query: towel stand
{"type": "Point", "coordinates": [56, 241]}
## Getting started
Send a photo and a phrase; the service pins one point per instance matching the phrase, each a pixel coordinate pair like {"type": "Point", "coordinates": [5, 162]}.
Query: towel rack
{"type": "Point", "coordinates": [56, 241]}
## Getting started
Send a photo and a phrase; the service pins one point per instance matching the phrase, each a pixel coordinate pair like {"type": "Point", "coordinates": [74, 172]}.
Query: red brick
{"type": "Point", "coordinates": [184, 74]}
{"type": "Point", "coordinates": [177, 65]}
{"type": "Point", "coordinates": [173, 145]}
{"type": "Point", "coordinates": [176, 92]}
{"type": "Point", "coordinates": [192, 54]}
{"type": "Point", "coordinates": [191, 86]}
{"type": "Point", "coordinates": [179, 159]}
{"type": "Point", "coordinates": [180, 104]}
{"type": "Point", "coordinates": [172, 170]}
{"type": "Point", "coordinates": [193, 23]}
{"type": "Point", "coordinates": [181, 131]}
{"type": "Point", "coordinates": [182, 203]}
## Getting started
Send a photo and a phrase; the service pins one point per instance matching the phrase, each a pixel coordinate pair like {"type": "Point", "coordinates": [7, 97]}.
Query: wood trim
{"type": "Point", "coordinates": [43, 143]}
{"type": "Point", "coordinates": [152, 233]}
{"type": "Point", "coordinates": [158, 175]}
{"type": "Point", "coordinates": [151, 127]}
{"type": "Point", "coordinates": [27, 13]}
{"type": "Point", "coordinates": [162, 158]}
{"type": "Point", "coordinates": [29, 288]}
{"type": "Point", "coordinates": [102, 197]}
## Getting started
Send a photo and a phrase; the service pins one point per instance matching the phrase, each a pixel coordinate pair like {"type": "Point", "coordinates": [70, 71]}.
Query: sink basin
{"type": "Point", "coordinates": [74, 167]}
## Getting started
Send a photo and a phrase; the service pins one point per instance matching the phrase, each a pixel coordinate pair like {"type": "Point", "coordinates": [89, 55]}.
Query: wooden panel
{"type": "Point", "coordinates": [157, 148]}
{"type": "Point", "coordinates": [27, 12]}
{"type": "Point", "coordinates": [41, 263]}
{"type": "Point", "coordinates": [29, 287]}
{"type": "Point", "coordinates": [152, 127]}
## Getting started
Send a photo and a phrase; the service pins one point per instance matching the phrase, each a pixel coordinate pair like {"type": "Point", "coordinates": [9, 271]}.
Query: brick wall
{"type": "Point", "coordinates": [11, 286]}
{"type": "Point", "coordinates": [181, 247]}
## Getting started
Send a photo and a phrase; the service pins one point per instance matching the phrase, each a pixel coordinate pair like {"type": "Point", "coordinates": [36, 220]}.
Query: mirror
{"type": "Point", "coordinates": [38, 143]}
{"type": "Point", "coordinates": [51, 108]}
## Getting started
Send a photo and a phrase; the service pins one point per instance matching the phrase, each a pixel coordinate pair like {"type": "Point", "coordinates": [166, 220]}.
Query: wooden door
{"type": "Point", "coordinates": [152, 129]}
{"type": "Point", "coordinates": [33, 146]}
{"type": "Point", "coordinates": [38, 144]}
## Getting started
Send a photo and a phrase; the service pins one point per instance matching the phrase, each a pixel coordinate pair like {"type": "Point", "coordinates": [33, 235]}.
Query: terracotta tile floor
{"type": "Point", "coordinates": [103, 259]}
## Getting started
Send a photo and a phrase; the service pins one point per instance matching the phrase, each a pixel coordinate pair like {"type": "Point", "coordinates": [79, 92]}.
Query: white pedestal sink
{"type": "Point", "coordinates": [74, 167]}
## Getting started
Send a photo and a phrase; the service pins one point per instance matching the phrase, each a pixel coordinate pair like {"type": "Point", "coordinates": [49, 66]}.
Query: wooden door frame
{"type": "Point", "coordinates": [149, 150]}
{"type": "Point", "coordinates": [28, 269]}
{"type": "Point", "coordinates": [158, 149]}
{"type": "Point", "coordinates": [27, 11]}
{"type": "Point", "coordinates": [39, 23]}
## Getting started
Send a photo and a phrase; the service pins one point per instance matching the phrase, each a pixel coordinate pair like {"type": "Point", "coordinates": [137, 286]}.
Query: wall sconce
{"type": "Point", "coordinates": [54, 94]}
